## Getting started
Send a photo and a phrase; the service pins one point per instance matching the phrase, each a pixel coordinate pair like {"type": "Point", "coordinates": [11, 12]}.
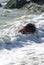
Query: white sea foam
{"type": "Point", "coordinates": [18, 49]}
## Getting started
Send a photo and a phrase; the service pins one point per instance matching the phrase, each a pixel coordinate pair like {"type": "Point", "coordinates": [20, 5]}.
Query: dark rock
{"type": "Point", "coordinates": [20, 4]}
{"type": "Point", "coordinates": [16, 4]}
{"type": "Point", "coordinates": [28, 29]}
{"type": "Point", "coordinates": [0, 5]}
{"type": "Point", "coordinates": [38, 1]}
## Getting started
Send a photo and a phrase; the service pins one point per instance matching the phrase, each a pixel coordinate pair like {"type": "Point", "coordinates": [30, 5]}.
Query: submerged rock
{"type": "Point", "coordinates": [16, 4]}
{"type": "Point", "coordinates": [28, 29]}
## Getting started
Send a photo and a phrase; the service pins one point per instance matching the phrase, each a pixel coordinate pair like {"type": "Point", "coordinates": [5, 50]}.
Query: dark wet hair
{"type": "Point", "coordinates": [30, 28]}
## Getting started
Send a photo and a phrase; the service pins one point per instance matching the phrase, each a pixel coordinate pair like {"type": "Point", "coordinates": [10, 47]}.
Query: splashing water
{"type": "Point", "coordinates": [18, 49]}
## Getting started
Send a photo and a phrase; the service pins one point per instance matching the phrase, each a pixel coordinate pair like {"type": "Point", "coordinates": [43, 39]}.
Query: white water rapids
{"type": "Point", "coordinates": [18, 49]}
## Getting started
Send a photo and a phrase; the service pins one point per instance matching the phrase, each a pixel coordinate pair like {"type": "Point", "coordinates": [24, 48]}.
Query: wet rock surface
{"type": "Point", "coordinates": [38, 1]}
{"type": "Point", "coordinates": [16, 4]}
{"type": "Point", "coordinates": [35, 6]}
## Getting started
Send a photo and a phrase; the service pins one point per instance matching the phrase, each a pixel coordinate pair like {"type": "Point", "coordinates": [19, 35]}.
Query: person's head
{"type": "Point", "coordinates": [28, 29]}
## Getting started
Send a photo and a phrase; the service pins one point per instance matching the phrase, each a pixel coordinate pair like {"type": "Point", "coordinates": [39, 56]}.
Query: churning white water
{"type": "Point", "coordinates": [18, 49]}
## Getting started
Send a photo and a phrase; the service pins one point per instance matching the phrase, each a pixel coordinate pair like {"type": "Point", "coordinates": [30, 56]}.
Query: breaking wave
{"type": "Point", "coordinates": [10, 24]}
